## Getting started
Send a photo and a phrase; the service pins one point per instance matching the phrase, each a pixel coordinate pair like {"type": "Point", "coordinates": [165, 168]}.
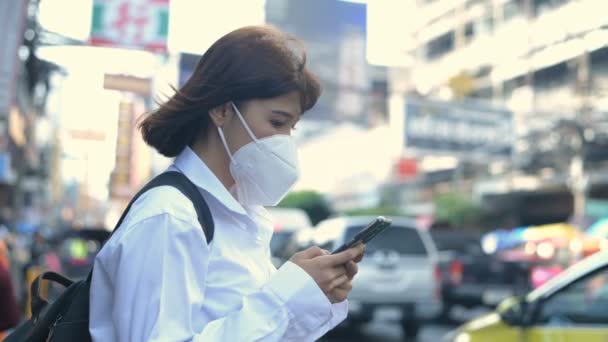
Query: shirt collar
{"type": "Point", "coordinates": [199, 173]}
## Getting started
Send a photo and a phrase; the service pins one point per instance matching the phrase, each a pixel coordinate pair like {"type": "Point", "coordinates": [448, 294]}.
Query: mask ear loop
{"type": "Point", "coordinates": [225, 143]}
{"type": "Point", "coordinates": [238, 113]}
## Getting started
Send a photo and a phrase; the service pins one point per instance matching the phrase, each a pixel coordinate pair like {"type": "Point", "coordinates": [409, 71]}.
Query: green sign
{"type": "Point", "coordinates": [142, 24]}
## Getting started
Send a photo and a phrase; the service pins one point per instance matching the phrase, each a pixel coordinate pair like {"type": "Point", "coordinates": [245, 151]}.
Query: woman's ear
{"type": "Point", "coordinates": [220, 114]}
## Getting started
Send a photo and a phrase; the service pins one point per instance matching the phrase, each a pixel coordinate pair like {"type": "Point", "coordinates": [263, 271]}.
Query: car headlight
{"type": "Point", "coordinates": [457, 336]}
{"type": "Point", "coordinates": [530, 248]}
{"type": "Point", "coordinates": [489, 244]}
{"type": "Point", "coordinates": [545, 250]}
{"type": "Point", "coordinates": [462, 337]}
{"type": "Point", "coordinates": [604, 245]}
{"type": "Point", "coordinates": [576, 246]}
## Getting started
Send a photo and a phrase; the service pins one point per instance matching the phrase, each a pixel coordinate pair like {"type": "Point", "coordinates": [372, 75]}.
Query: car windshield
{"type": "Point", "coordinates": [405, 241]}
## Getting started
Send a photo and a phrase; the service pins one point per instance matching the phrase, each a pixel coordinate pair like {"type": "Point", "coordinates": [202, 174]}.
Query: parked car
{"type": "Point", "coordinates": [547, 250]}
{"type": "Point", "coordinates": [398, 273]}
{"type": "Point", "coordinates": [70, 252]}
{"type": "Point", "coordinates": [75, 251]}
{"type": "Point", "coordinates": [291, 226]}
{"type": "Point", "coordinates": [570, 307]}
{"type": "Point", "coordinates": [471, 278]}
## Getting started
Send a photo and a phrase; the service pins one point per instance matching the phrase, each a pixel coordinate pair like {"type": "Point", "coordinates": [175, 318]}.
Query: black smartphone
{"type": "Point", "coordinates": [366, 234]}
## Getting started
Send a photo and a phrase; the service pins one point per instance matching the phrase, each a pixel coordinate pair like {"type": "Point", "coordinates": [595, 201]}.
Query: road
{"type": "Point", "coordinates": [387, 331]}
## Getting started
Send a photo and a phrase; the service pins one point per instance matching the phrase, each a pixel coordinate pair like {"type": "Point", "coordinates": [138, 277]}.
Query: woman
{"type": "Point", "coordinates": [229, 128]}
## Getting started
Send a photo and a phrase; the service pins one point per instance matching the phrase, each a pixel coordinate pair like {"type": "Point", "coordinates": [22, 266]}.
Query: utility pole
{"type": "Point", "coordinates": [579, 184]}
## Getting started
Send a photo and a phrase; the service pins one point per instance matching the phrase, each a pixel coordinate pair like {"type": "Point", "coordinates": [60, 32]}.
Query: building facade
{"type": "Point", "coordinates": [543, 60]}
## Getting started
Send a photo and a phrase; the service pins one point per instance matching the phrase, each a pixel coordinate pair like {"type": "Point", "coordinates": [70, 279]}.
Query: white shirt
{"type": "Point", "coordinates": [157, 279]}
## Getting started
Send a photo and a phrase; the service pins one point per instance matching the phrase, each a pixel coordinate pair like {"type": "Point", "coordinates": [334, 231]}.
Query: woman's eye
{"type": "Point", "coordinates": [277, 124]}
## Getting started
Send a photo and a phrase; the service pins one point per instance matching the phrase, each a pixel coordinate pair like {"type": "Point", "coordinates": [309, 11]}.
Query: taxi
{"type": "Point", "coordinates": [573, 306]}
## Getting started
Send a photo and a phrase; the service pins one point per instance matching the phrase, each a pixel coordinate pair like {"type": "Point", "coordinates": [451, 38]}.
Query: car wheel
{"type": "Point", "coordinates": [410, 328]}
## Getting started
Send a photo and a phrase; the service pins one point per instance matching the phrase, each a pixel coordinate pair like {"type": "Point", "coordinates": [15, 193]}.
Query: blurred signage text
{"type": "Point", "coordinates": [87, 135]}
{"type": "Point", "coordinates": [455, 127]}
{"type": "Point", "coordinates": [139, 24]}
{"type": "Point", "coordinates": [137, 85]}
{"type": "Point", "coordinates": [121, 177]}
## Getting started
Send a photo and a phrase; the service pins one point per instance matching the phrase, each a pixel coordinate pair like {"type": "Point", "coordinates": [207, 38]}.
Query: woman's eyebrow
{"type": "Point", "coordinates": [284, 113]}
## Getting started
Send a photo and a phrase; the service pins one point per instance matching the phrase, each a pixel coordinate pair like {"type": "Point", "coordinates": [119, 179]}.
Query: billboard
{"type": "Point", "coordinates": [457, 127]}
{"type": "Point", "coordinates": [136, 85]}
{"type": "Point", "coordinates": [139, 24]}
{"type": "Point", "coordinates": [121, 176]}
{"type": "Point", "coordinates": [187, 64]}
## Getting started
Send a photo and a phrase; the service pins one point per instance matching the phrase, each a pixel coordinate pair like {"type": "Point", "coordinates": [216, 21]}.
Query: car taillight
{"type": "Point", "coordinates": [78, 262]}
{"type": "Point", "coordinates": [437, 274]}
{"type": "Point", "coordinates": [438, 281]}
{"type": "Point", "coordinates": [456, 272]}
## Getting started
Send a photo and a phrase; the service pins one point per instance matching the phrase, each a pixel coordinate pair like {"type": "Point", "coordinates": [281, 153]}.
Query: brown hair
{"type": "Point", "coordinates": [248, 63]}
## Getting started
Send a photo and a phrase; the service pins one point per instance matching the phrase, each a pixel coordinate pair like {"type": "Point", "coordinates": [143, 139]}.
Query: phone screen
{"type": "Point", "coordinates": [366, 234]}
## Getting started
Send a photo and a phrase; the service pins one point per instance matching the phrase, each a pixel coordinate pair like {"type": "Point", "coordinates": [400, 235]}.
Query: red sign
{"type": "Point", "coordinates": [406, 168]}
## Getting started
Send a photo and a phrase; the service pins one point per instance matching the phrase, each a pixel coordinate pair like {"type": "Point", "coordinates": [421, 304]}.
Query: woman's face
{"type": "Point", "coordinates": [265, 117]}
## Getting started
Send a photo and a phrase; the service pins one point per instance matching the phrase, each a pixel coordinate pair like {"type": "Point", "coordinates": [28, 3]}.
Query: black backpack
{"type": "Point", "coordinates": [67, 318]}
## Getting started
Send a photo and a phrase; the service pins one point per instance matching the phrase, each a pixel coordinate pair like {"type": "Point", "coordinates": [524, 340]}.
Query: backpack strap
{"type": "Point", "coordinates": [179, 181]}
{"type": "Point", "coordinates": [37, 302]}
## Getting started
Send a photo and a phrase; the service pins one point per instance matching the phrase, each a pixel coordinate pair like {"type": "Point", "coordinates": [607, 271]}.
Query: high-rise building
{"type": "Point", "coordinates": [544, 60]}
{"type": "Point", "coordinates": [334, 33]}
{"type": "Point", "coordinates": [540, 56]}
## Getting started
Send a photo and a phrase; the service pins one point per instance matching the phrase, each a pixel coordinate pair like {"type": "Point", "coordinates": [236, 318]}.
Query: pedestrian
{"type": "Point", "coordinates": [9, 309]}
{"type": "Point", "coordinates": [229, 128]}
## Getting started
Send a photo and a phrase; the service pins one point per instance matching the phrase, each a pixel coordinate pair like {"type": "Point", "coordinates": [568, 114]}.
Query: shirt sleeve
{"type": "Point", "coordinates": [308, 326]}
{"type": "Point", "coordinates": [159, 291]}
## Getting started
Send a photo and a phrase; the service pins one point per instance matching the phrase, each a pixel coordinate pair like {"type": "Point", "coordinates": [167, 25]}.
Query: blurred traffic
{"type": "Point", "coordinates": [480, 127]}
{"type": "Point", "coordinates": [570, 307]}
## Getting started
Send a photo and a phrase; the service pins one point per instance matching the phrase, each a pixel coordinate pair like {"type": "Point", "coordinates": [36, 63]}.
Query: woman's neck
{"type": "Point", "coordinates": [212, 152]}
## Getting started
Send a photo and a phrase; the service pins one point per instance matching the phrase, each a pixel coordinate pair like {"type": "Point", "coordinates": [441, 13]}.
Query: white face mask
{"type": "Point", "coordinates": [264, 170]}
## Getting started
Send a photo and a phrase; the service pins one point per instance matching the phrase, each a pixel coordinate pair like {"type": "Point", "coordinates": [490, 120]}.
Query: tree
{"type": "Point", "coordinates": [457, 210]}
{"type": "Point", "coordinates": [374, 211]}
{"type": "Point", "coordinates": [313, 203]}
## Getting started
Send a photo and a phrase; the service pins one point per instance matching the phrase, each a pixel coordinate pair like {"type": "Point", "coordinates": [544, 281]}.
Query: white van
{"type": "Point", "coordinates": [399, 271]}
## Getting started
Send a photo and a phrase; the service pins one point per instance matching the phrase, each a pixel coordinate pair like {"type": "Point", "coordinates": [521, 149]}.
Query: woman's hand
{"type": "Point", "coordinates": [332, 273]}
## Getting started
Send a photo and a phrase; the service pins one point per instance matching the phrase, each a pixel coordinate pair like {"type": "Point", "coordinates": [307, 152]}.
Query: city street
{"type": "Point", "coordinates": [464, 144]}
